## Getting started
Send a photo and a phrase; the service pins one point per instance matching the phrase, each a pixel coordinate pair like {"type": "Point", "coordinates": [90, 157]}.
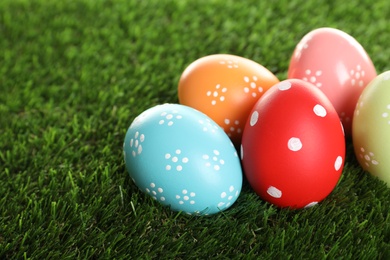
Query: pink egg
{"type": "Point", "coordinates": [335, 63]}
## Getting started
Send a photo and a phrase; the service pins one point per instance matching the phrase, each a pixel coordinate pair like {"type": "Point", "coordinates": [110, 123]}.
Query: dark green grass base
{"type": "Point", "coordinates": [74, 74]}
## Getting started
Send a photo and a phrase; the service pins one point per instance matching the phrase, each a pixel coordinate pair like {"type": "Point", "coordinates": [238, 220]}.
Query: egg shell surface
{"type": "Point", "coordinates": [371, 128]}
{"type": "Point", "coordinates": [337, 64]}
{"type": "Point", "coordinates": [225, 87]}
{"type": "Point", "coordinates": [183, 159]}
{"type": "Point", "coordinates": [293, 146]}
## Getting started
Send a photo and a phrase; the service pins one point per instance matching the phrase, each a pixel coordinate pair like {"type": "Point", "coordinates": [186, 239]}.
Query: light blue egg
{"type": "Point", "coordinates": [183, 159]}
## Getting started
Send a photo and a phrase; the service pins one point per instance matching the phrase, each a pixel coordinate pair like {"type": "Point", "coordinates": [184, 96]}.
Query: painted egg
{"type": "Point", "coordinates": [293, 146]}
{"type": "Point", "coordinates": [225, 87]}
{"type": "Point", "coordinates": [337, 64]}
{"type": "Point", "coordinates": [183, 159]}
{"type": "Point", "coordinates": [371, 128]}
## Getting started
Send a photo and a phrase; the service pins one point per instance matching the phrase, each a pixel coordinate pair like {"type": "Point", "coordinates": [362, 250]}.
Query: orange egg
{"type": "Point", "coordinates": [225, 87]}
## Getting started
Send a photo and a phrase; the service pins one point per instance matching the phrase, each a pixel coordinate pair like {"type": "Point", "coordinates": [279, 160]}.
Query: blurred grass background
{"type": "Point", "coordinates": [73, 76]}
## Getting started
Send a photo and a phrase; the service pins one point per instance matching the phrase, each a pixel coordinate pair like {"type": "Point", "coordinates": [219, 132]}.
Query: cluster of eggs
{"type": "Point", "coordinates": [287, 137]}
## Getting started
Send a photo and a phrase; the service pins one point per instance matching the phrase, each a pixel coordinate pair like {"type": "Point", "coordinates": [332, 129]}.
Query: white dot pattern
{"type": "Point", "coordinates": [252, 88]}
{"type": "Point", "coordinates": [169, 118]}
{"type": "Point", "coordinates": [155, 192]}
{"type": "Point", "coordinates": [254, 118]}
{"type": "Point", "coordinates": [274, 192]}
{"type": "Point", "coordinates": [213, 160]}
{"type": "Point", "coordinates": [217, 94]}
{"type": "Point", "coordinates": [207, 125]}
{"type": "Point", "coordinates": [284, 85]}
{"type": "Point", "coordinates": [338, 163]}
{"type": "Point", "coordinates": [135, 144]}
{"type": "Point", "coordinates": [175, 160]}
{"type": "Point", "coordinates": [319, 110]}
{"type": "Point", "coordinates": [357, 76]}
{"type": "Point", "coordinates": [311, 204]}
{"type": "Point", "coordinates": [231, 127]}
{"type": "Point", "coordinates": [186, 197]}
{"type": "Point", "coordinates": [368, 157]}
{"type": "Point", "coordinates": [229, 63]}
{"type": "Point", "coordinates": [313, 77]}
{"type": "Point", "coordinates": [227, 197]}
{"type": "Point", "coordinates": [294, 144]}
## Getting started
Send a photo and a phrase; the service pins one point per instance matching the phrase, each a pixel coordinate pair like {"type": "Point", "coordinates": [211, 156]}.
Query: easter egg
{"type": "Point", "coordinates": [183, 159]}
{"type": "Point", "coordinates": [337, 64]}
{"type": "Point", "coordinates": [225, 87]}
{"type": "Point", "coordinates": [293, 145]}
{"type": "Point", "coordinates": [371, 128]}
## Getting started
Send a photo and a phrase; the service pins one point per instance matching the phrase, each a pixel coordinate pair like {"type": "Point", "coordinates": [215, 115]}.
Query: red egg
{"type": "Point", "coordinates": [337, 64]}
{"type": "Point", "coordinates": [293, 145]}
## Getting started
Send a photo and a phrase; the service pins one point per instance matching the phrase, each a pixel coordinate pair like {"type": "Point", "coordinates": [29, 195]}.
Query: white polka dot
{"type": "Point", "coordinates": [254, 78]}
{"type": "Point", "coordinates": [136, 134]}
{"type": "Point", "coordinates": [319, 110]}
{"type": "Point", "coordinates": [294, 144]}
{"type": "Point", "coordinates": [177, 197]}
{"type": "Point", "coordinates": [136, 143]}
{"type": "Point", "coordinates": [374, 162]}
{"type": "Point", "coordinates": [222, 98]}
{"type": "Point", "coordinates": [254, 118]}
{"type": "Point", "coordinates": [167, 156]}
{"type": "Point", "coordinates": [205, 156]}
{"type": "Point", "coordinates": [222, 162]}
{"type": "Point", "coordinates": [169, 116]}
{"type": "Point", "coordinates": [184, 191]}
{"type": "Point", "coordinates": [142, 138]}
{"type": "Point", "coordinates": [185, 160]}
{"type": "Point", "coordinates": [253, 85]}
{"type": "Point", "coordinates": [154, 192]}
{"type": "Point", "coordinates": [385, 114]}
{"type": "Point", "coordinates": [284, 85]}
{"type": "Point", "coordinates": [192, 194]}
{"type": "Point", "coordinates": [160, 190]}
{"type": "Point", "coordinates": [147, 190]}
{"type": "Point", "coordinates": [192, 202]}
{"type": "Point", "coordinates": [186, 198]}
{"type": "Point", "coordinates": [152, 185]}
{"type": "Point", "coordinates": [274, 192]}
{"type": "Point", "coordinates": [213, 102]}
{"type": "Point", "coordinates": [367, 157]}
{"type": "Point", "coordinates": [227, 121]}
{"type": "Point", "coordinates": [308, 72]}
{"type": "Point", "coordinates": [216, 152]}
{"type": "Point", "coordinates": [311, 204]}
{"type": "Point", "coordinates": [246, 90]}
{"type": "Point", "coordinates": [215, 158]}
{"type": "Point", "coordinates": [246, 79]}
{"type": "Point", "coordinates": [175, 159]}
{"type": "Point", "coordinates": [254, 94]}
{"type": "Point", "coordinates": [181, 202]}
{"type": "Point", "coordinates": [179, 168]}
{"type": "Point", "coordinates": [231, 188]}
{"type": "Point", "coordinates": [162, 198]}
{"type": "Point", "coordinates": [224, 90]}
{"type": "Point", "coordinates": [179, 117]}
{"type": "Point", "coordinates": [168, 167]}
{"type": "Point", "coordinates": [223, 195]}
{"type": "Point", "coordinates": [338, 163]}
{"type": "Point", "coordinates": [221, 204]}
{"type": "Point", "coordinates": [133, 153]}
{"type": "Point", "coordinates": [215, 94]}
{"type": "Point", "coordinates": [131, 142]}
{"type": "Point", "coordinates": [216, 167]}
{"type": "Point", "coordinates": [140, 149]}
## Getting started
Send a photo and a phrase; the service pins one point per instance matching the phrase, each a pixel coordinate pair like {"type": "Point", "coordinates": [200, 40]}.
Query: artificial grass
{"type": "Point", "coordinates": [74, 74]}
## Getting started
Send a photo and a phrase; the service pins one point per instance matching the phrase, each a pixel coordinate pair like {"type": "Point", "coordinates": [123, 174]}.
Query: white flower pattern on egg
{"type": "Point", "coordinates": [169, 117]}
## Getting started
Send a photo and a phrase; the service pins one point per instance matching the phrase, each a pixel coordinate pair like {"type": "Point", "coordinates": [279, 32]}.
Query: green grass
{"type": "Point", "coordinates": [73, 76]}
